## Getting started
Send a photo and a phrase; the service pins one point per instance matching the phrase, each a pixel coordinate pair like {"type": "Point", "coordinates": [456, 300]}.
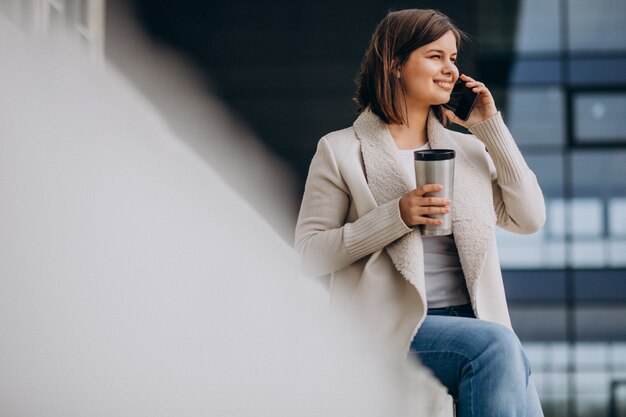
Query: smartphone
{"type": "Point", "coordinates": [462, 100]}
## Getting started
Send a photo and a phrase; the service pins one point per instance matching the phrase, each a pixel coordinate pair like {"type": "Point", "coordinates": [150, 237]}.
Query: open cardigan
{"type": "Point", "coordinates": [350, 227]}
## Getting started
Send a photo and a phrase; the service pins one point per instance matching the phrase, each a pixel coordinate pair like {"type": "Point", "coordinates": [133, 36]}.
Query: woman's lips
{"type": "Point", "coordinates": [446, 85]}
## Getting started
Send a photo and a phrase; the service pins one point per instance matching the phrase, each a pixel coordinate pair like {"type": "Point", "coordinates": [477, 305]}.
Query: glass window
{"type": "Point", "coordinates": [520, 251]}
{"type": "Point", "coordinates": [617, 217]}
{"type": "Point", "coordinates": [589, 253]}
{"type": "Point", "coordinates": [539, 323]}
{"type": "Point", "coordinates": [548, 167]}
{"type": "Point", "coordinates": [600, 117]}
{"type": "Point", "coordinates": [588, 70]}
{"type": "Point", "coordinates": [599, 222]}
{"type": "Point", "coordinates": [536, 71]}
{"type": "Point", "coordinates": [597, 25]}
{"type": "Point", "coordinates": [617, 249]}
{"type": "Point", "coordinates": [535, 115]}
{"type": "Point", "coordinates": [617, 231]}
{"type": "Point", "coordinates": [588, 246]}
{"type": "Point", "coordinates": [538, 26]}
{"type": "Point", "coordinates": [600, 323]}
{"type": "Point", "coordinates": [599, 173]}
{"type": "Point", "coordinates": [587, 216]}
{"type": "Point", "coordinates": [522, 286]}
{"type": "Point", "coordinates": [600, 286]}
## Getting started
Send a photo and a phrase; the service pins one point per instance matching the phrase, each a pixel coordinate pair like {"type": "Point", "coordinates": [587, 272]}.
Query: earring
{"type": "Point", "coordinates": [398, 74]}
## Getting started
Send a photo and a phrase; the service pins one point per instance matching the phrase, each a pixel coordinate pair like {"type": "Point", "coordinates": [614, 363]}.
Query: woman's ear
{"type": "Point", "coordinates": [395, 68]}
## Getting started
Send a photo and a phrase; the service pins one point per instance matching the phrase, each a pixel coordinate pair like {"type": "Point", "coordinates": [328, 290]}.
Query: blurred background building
{"type": "Point", "coordinates": [557, 69]}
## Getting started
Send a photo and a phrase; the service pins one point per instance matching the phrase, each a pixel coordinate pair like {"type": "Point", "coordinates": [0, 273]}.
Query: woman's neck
{"type": "Point", "coordinates": [414, 134]}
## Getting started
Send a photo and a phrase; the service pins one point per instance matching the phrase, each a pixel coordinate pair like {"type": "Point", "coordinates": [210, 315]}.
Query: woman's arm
{"type": "Point", "coordinates": [517, 197]}
{"type": "Point", "coordinates": [323, 238]}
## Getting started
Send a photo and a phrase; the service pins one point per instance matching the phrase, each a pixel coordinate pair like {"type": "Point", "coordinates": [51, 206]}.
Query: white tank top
{"type": "Point", "coordinates": [445, 282]}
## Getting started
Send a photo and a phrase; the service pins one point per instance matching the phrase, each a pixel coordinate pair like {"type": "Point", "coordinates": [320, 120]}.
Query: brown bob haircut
{"type": "Point", "coordinates": [396, 36]}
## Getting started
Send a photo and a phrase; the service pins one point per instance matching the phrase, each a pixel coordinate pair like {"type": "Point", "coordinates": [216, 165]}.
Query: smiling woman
{"type": "Point", "coordinates": [440, 299]}
{"type": "Point", "coordinates": [429, 72]}
{"type": "Point", "coordinates": [385, 61]}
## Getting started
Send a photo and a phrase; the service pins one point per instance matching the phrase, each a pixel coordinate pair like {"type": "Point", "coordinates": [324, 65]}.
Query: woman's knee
{"type": "Point", "coordinates": [503, 348]}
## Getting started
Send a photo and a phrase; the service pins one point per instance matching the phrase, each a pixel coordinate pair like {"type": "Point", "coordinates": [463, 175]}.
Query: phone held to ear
{"type": "Point", "coordinates": [462, 100]}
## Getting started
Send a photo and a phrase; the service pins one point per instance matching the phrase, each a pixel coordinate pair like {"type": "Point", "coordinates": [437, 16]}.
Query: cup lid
{"type": "Point", "coordinates": [434, 154]}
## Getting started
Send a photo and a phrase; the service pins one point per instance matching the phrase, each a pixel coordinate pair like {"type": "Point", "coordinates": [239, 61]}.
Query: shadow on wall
{"type": "Point", "coordinates": [135, 281]}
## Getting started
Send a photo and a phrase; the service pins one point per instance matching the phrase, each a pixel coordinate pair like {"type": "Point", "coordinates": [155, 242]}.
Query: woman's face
{"type": "Point", "coordinates": [430, 72]}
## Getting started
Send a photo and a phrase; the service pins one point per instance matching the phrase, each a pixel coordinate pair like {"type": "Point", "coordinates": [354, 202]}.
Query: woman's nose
{"type": "Point", "coordinates": [451, 69]}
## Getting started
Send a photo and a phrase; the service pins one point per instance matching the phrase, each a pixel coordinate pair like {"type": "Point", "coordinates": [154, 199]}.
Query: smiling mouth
{"type": "Point", "coordinates": [444, 84]}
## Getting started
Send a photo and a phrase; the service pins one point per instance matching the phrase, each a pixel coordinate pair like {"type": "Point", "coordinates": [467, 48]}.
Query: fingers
{"type": "Point", "coordinates": [453, 118]}
{"type": "Point", "coordinates": [476, 86]}
{"type": "Point", "coordinates": [430, 200]}
{"type": "Point", "coordinates": [426, 220]}
{"type": "Point", "coordinates": [428, 188]}
{"type": "Point", "coordinates": [417, 208]}
{"type": "Point", "coordinates": [428, 211]}
{"type": "Point", "coordinates": [433, 210]}
{"type": "Point", "coordinates": [467, 78]}
{"type": "Point", "coordinates": [422, 215]}
{"type": "Point", "coordinates": [449, 114]}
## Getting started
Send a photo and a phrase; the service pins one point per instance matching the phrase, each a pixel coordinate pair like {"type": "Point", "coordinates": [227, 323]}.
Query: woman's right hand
{"type": "Point", "coordinates": [414, 206]}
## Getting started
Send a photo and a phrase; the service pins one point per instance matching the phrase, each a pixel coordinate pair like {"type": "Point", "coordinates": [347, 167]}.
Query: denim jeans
{"type": "Point", "coordinates": [482, 364]}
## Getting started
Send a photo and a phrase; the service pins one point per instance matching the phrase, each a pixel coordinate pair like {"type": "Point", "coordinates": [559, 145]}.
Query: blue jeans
{"type": "Point", "coordinates": [482, 364]}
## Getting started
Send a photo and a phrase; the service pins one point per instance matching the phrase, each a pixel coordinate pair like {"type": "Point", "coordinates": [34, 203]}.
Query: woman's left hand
{"type": "Point", "coordinates": [485, 105]}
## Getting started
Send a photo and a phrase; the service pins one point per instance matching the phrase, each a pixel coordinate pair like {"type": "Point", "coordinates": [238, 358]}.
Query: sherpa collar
{"type": "Point", "coordinates": [473, 216]}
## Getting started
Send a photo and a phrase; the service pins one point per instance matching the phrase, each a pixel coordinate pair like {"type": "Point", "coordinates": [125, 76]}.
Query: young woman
{"type": "Point", "coordinates": [440, 298]}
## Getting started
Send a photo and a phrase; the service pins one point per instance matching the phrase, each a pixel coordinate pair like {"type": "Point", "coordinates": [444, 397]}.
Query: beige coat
{"type": "Point", "coordinates": [350, 226]}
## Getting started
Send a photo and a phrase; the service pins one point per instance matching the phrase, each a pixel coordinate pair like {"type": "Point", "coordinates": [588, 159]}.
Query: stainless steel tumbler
{"type": "Point", "coordinates": [436, 166]}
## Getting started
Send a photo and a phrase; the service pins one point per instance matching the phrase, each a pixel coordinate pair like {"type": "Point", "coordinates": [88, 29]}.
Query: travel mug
{"type": "Point", "coordinates": [436, 166]}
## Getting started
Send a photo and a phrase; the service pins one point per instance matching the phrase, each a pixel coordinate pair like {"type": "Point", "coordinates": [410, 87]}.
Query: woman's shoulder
{"type": "Point", "coordinates": [341, 137]}
{"type": "Point", "coordinates": [341, 146]}
{"type": "Point", "coordinates": [341, 141]}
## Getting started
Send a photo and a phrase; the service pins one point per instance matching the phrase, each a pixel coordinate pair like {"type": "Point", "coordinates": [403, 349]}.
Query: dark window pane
{"type": "Point", "coordinates": [601, 286]}
{"type": "Point", "coordinates": [536, 71]}
{"type": "Point", "coordinates": [522, 286]}
{"type": "Point", "coordinates": [539, 323]}
{"type": "Point", "coordinates": [597, 71]}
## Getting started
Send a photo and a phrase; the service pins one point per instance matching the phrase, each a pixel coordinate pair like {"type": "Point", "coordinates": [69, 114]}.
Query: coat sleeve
{"type": "Point", "coordinates": [517, 197]}
{"type": "Point", "coordinates": [324, 240]}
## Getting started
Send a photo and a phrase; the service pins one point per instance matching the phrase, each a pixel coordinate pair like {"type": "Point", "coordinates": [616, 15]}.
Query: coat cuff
{"type": "Point", "coordinates": [506, 156]}
{"type": "Point", "coordinates": [375, 230]}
